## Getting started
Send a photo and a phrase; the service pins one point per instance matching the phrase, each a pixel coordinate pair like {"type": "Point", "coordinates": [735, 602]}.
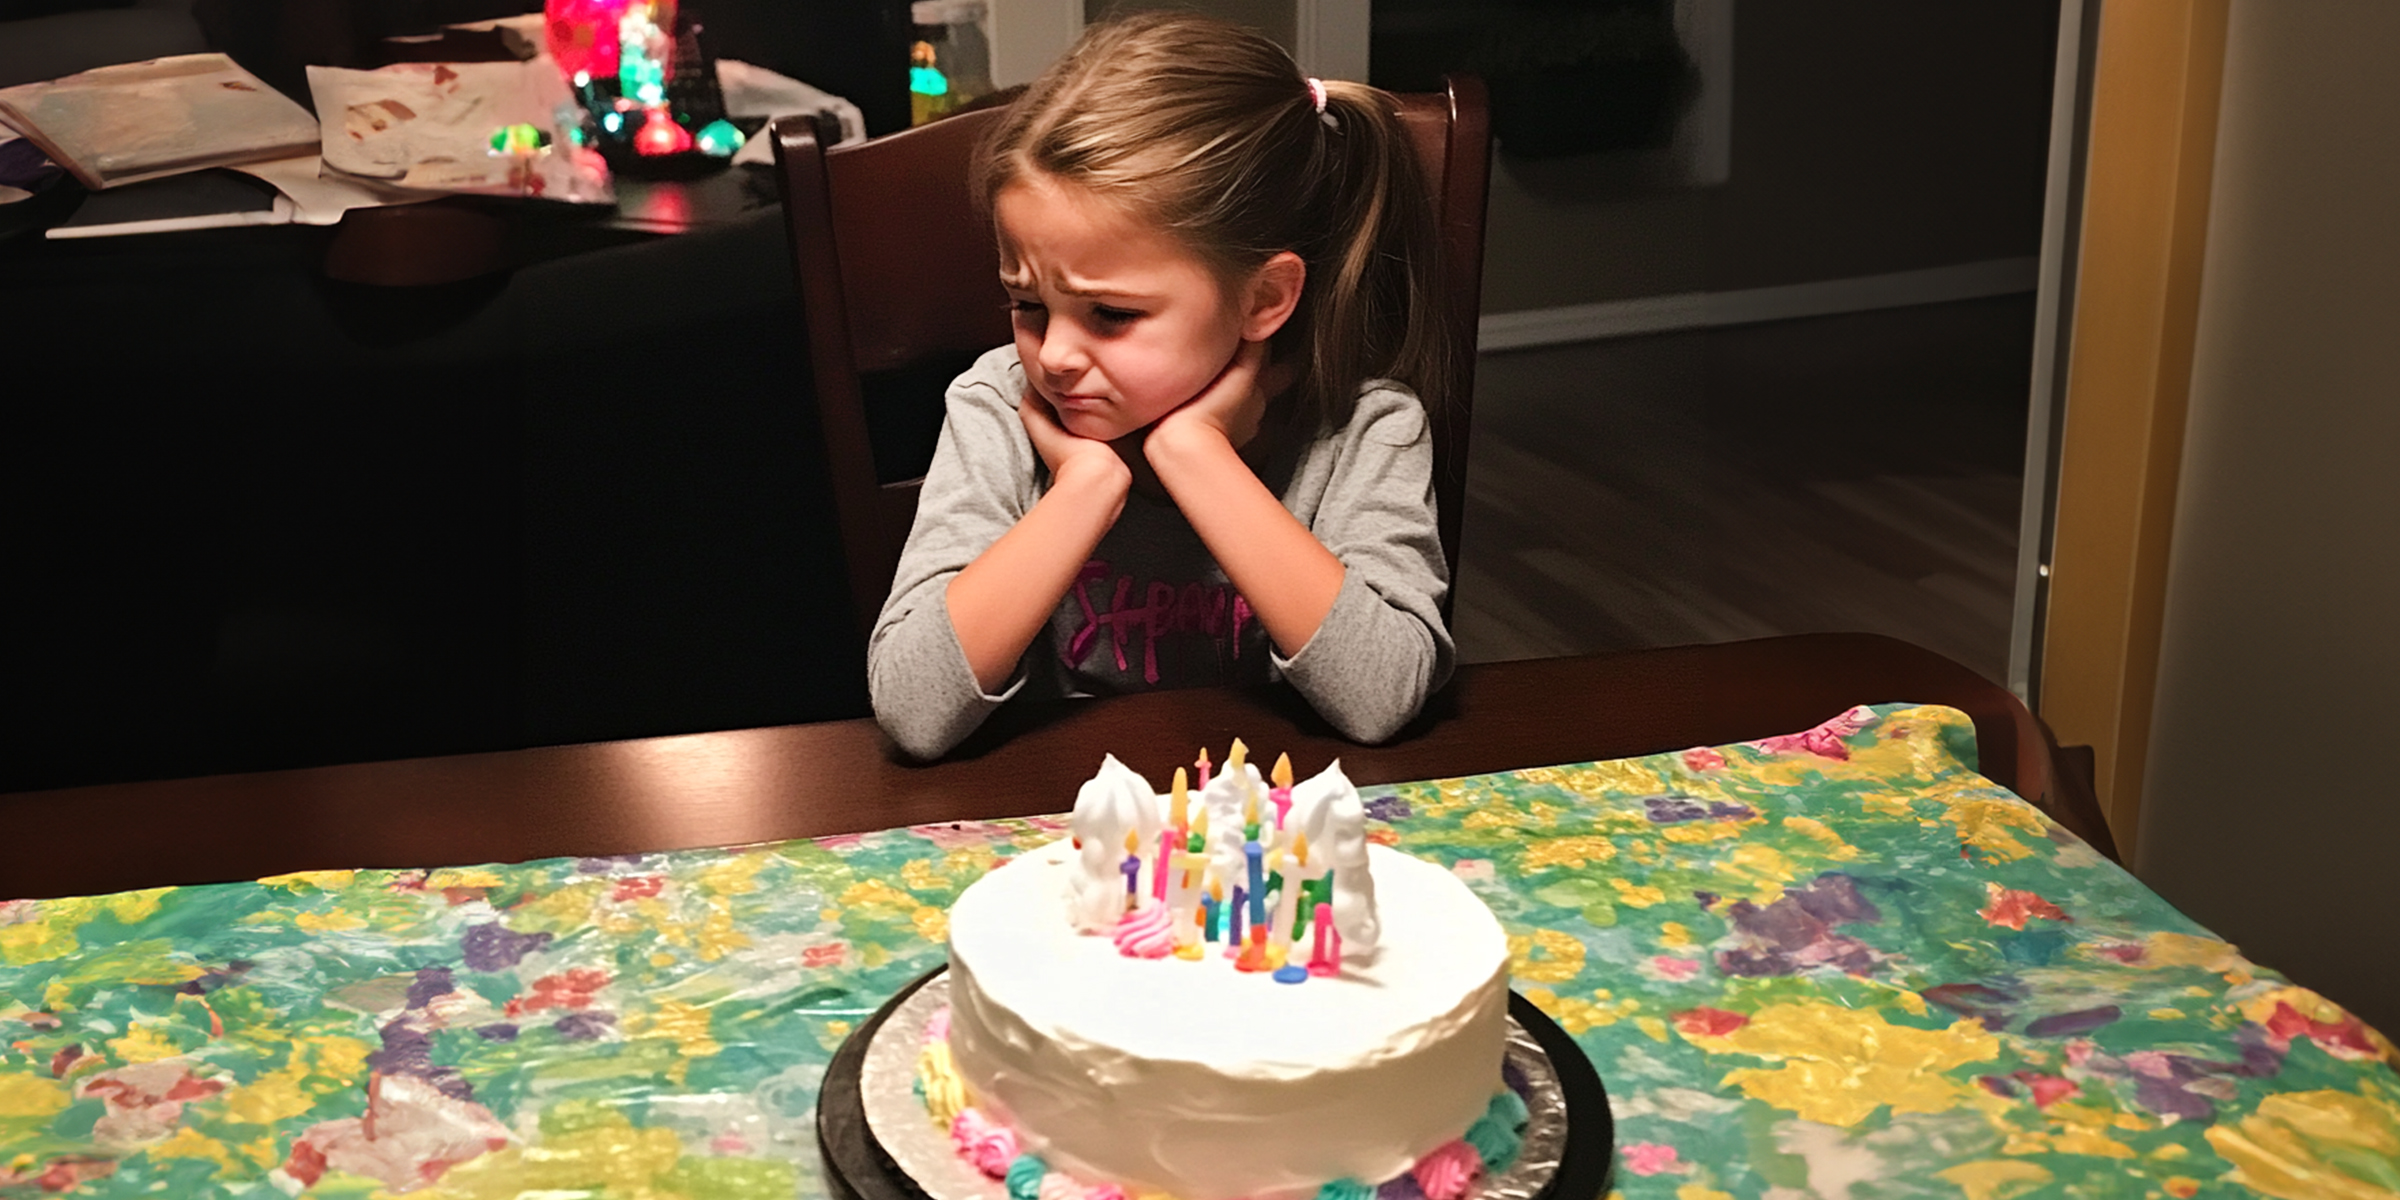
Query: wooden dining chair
{"type": "Point", "coordinates": [900, 288]}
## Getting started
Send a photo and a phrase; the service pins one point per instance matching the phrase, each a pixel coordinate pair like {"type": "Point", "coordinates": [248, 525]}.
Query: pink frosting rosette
{"type": "Point", "coordinates": [988, 1144]}
{"type": "Point", "coordinates": [1449, 1171]}
{"type": "Point", "coordinates": [1147, 932]}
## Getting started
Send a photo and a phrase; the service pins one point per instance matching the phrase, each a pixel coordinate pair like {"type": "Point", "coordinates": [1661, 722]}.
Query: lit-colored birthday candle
{"type": "Point", "coordinates": [1234, 761]}
{"type": "Point", "coordinates": [1282, 795]}
{"type": "Point", "coordinates": [1298, 876]}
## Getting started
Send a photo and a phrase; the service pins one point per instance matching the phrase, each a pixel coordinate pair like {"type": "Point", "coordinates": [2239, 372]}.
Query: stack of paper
{"type": "Point", "coordinates": [123, 124]}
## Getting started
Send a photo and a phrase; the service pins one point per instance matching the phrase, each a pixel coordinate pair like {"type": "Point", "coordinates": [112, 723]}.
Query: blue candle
{"type": "Point", "coordinates": [1258, 891]}
{"type": "Point", "coordinates": [1132, 867]}
{"type": "Point", "coordinates": [1208, 918]}
{"type": "Point", "coordinates": [1236, 940]}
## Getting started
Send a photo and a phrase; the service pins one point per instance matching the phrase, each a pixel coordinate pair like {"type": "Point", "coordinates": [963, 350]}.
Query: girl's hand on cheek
{"type": "Point", "coordinates": [1062, 451]}
{"type": "Point", "coordinates": [1233, 404]}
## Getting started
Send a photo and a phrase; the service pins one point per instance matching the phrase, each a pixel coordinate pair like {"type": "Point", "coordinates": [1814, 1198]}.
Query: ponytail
{"type": "Point", "coordinates": [1368, 311]}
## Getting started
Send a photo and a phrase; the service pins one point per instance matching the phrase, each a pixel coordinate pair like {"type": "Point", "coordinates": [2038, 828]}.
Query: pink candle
{"type": "Point", "coordinates": [1158, 878]}
{"type": "Point", "coordinates": [1318, 963]}
{"type": "Point", "coordinates": [1282, 797]}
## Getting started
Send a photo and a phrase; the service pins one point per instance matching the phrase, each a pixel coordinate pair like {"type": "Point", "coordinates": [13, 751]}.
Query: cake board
{"type": "Point", "coordinates": [859, 1167]}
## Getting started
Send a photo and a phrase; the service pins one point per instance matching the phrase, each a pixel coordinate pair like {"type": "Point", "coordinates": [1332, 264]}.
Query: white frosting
{"type": "Point", "coordinates": [1328, 811]}
{"type": "Point", "coordinates": [1209, 1083]}
{"type": "Point", "coordinates": [1112, 803]}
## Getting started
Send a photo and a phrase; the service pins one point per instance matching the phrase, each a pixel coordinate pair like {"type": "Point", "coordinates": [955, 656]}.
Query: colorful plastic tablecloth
{"type": "Point", "coordinates": [1837, 964]}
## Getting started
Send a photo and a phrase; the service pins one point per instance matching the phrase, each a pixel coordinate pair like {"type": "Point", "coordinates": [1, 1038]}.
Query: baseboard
{"type": "Point", "coordinates": [1705, 310]}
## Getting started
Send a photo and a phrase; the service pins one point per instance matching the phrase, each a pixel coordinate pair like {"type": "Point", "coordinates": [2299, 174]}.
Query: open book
{"type": "Point", "coordinates": [124, 124]}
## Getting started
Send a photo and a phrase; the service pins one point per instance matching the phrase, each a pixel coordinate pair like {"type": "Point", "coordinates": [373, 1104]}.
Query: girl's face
{"type": "Point", "coordinates": [1116, 323]}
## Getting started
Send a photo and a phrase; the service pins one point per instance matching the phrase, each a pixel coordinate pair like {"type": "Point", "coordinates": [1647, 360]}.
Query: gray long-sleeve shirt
{"type": "Point", "coordinates": [1152, 609]}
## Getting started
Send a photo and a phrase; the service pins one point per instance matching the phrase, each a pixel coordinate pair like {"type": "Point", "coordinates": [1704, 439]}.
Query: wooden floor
{"type": "Point", "coordinates": [1858, 472]}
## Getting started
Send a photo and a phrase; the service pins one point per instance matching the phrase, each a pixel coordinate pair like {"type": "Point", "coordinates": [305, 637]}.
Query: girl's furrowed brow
{"type": "Point", "coordinates": [1102, 293]}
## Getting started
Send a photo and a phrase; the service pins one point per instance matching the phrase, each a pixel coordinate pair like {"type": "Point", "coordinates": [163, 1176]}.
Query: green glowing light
{"type": "Point", "coordinates": [719, 138]}
{"type": "Point", "coordinates": [518, 139]}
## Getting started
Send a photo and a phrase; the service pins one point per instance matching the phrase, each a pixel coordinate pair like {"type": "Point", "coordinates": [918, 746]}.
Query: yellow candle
{"type": "Point", "coordinates": [1182, 801]}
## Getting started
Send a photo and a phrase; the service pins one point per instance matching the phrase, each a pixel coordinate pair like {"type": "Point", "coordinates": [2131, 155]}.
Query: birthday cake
{"type": "Point", "coordinates": [1223, 992]}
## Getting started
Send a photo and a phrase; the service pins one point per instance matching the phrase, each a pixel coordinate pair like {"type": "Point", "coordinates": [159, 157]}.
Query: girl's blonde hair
{"type": "Point", "coordinates": [1209, 132]}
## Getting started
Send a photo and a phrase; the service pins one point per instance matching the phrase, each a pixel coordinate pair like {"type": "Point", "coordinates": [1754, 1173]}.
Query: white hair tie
{"type": "Point", "coordinates": [1316, 93]}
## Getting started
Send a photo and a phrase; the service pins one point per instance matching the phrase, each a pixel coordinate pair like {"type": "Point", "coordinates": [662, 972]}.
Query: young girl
{"type": "Point", "coordinates": [1201, 460]}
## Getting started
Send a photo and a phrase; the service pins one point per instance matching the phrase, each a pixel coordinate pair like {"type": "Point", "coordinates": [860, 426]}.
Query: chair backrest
{"type": "Point", "coordinates": [896, 270]}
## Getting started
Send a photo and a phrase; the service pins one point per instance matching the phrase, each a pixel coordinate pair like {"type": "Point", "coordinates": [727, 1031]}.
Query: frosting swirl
{"type": "Point", "coordinates": [1494, 1142]}
{"type": "Point", "coordinates": [1446, 1173]}
{"type": "Point", "coordinates": [937, 1079]}
{"type": "Point", "coordinates": [1146, 932]}
{"type": "Point", "coordinates": [1025, 1178]}
{"type": "Point", "coordinates": [989, 1145]}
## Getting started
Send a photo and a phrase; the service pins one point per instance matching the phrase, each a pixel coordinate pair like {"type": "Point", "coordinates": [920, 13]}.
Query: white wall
{"type": "Point", "coordinates": [1028, 34]}
{"type": "Point", "coordinates": [2272, 812]}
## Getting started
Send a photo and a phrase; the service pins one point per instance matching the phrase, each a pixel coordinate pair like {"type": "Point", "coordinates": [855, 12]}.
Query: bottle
{"type": "Point", "coordinates": [950, 64]}
{"type": "Point", "coordinates": [928, 88]}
